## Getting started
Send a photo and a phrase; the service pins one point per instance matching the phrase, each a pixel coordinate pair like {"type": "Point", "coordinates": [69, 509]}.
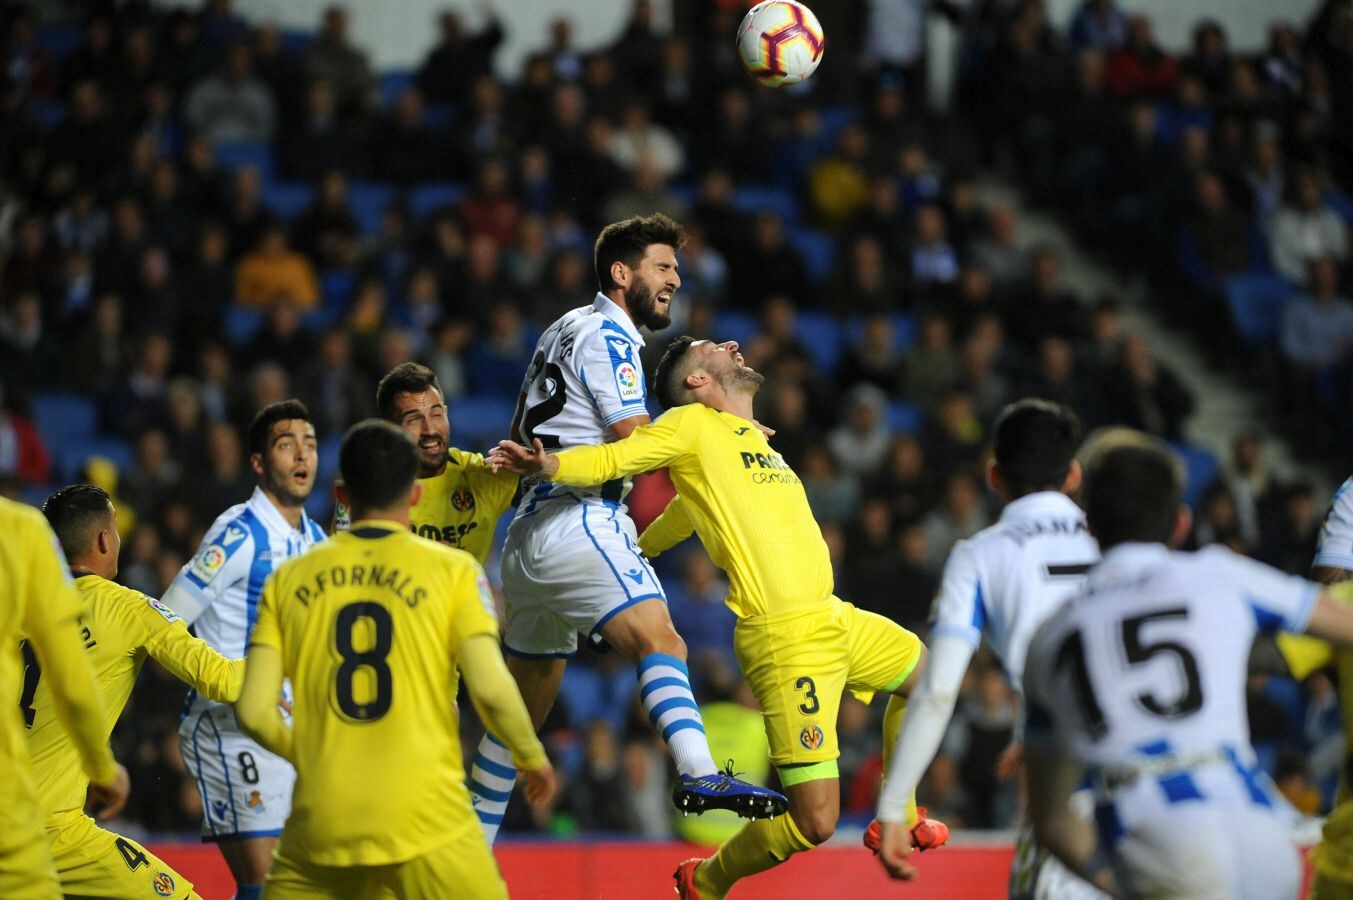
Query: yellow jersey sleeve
{"type": "Point", "coordinates": [474, 611]}
{"type": "Point", "coordinates": [52, 627]}
{"type": "Point", "coordinates": [191, 660]}
{"type": "Point", "coordinates": [647, 447]}
{"type": "Point", "coordinates": [256, 707]}
{"type": "Point", "coordinates": [670, 528]}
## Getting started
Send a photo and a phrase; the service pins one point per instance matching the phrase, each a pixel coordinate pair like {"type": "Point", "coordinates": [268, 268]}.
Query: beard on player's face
{"type": "Point", "coordinates": [643, 306]}
{"type": "Point", "coordinates": [742, 378]}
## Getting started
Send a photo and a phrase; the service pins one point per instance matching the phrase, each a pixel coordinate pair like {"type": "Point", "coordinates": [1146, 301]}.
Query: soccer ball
{"type": "Point", "coordinates": [780, 42]}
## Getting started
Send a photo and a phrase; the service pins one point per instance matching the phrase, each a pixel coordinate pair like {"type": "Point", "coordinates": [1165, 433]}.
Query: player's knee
{"type": "Point", "coordinates": [816, 825]}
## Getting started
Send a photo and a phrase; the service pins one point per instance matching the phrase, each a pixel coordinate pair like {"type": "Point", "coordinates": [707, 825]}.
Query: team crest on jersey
{"type": "Point", "coordinates": [255, 802]}
{"type": "Point", "coordinates": [233, 535]}
{"type": "Point", "coordinates": [627, 379]}
{"type": "Point", "coordinates": [169, 614]}
{"type": "Point", "coordinates": [811, 737]}
{"type": "Point", "coordinates": [621, 349]}
{"type": "Point", "coordinates": [208, 563]}
{"type": "Point", "coordinates": [163, 884]}
{"type": "Point", "coordinates": [462, 501]}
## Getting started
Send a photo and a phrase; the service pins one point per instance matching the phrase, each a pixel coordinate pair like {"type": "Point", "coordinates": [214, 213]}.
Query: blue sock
{"type": "Point", "coordinates": [248, 891]}
{"type": "Point", "coordinates": [491, 779]}
{"type": "Point", "coordinates": [665, 689]}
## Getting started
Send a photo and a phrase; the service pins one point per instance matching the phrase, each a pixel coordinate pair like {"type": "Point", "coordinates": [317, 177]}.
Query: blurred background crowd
{"type": "Point", "coordinates": [201, 214]}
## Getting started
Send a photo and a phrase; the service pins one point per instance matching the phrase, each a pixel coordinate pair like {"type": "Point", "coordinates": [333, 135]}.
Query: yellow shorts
{"type": "Point", "coordinates": [26, 870]}
{"type": "Point", "coordinates": [1333, 859]}
{"type": "Point", "coordinates": [461, 868]}
{"type": "Point", "coordinates": [798, 663]}
{"type": "Point", "coordinates": [92, 862]}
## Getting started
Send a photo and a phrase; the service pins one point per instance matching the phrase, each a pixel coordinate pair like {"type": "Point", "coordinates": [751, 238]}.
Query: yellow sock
{"type": "Point", "coordinates": [761, 844]}
{"type": "Point", "coordinates": [892, 726]}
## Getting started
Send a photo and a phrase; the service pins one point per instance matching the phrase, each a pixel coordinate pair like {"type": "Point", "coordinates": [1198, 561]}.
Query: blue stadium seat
{"type": "Point", "coordinates": [833, 119]}
{"type": "Point", "coordinates": [426, 199]}
{"type": "Point", "coordinates": [63, 417]}
{"type": "Point", "coordinates": [768, 199]}
{"type": "Point", "coordinates": [823, 336]}
{"type": "Point", "coordinates": [905, 417]}
{"type": "Point", "coordinates": [818, 249]}
{"type": "Point", "coordinates": [295, 40]}
{"type": "Point", "coordinates": [336, 285]}
{"type": "Point", "coordinates": [480, 422]}
{"type": "Point", "coordinates": [72, 457]}
{"type": "Point", "coordinates": [1341, 203]}
{"type": "Point", "coordinates": [234, 154]}
{"type": "Point", "coordinates": [287, 199]}
{"type": "Point", "coordinates": [1256, 303]}
{"type": "Point", "coordinates": [47, 113]}
{"type": "Point", "coordinates": [439, 115]}
{"type": "Point", "coordinates": [368, 200]}
{"type": "Point", "coordinates": [1201, 468]}
{"type": "Point", "coordinates": [735, 326]}
{"type": "Point", "coordinates": [242, 323]}
{"type": "Point", "coordinates": [35, 494]}
{"type": "Point", "coordinates": [328, 463]}
{"type": "Point", "coordinates": [392, 84]}
{"type": "Point", "coordinates": [686, 193]}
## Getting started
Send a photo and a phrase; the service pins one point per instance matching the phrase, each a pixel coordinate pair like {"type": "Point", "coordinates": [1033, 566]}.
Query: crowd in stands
{"type": "Point", "coordinates": [201, 214]}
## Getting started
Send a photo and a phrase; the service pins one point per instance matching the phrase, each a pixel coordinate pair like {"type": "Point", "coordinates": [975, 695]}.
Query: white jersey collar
{"type": "Point", "coordinates": [272, 517]}
{"type": "Point", "coordinates": [1031, 505]}
{"type": "Point", "coordinates": [611, 310]}
{"type": "Point", "coordinates": [1134, 553]}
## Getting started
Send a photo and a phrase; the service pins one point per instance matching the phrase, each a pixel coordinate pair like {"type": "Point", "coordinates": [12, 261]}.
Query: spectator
{"type": "Point", "coordinates": [787, 413]}
{"type": "Point", "coordinates": [839, 185]}
{"type": "Point", "coordinates": [905, 482]}
{"type": "Point", "coordinates": [233, 105]}
{"type": "Point", "coordinates": [331, 386]}
{"type": "Point", "coordinates": [102, 351]}
{"type": "Point", "coordinates": [934, 261]}
{"type": "Point", "coordinates": [864, 280]}
{"type": "Point", "coordinates": [860, 442]}
{"type": "Point", "coordinates": [981, 730]}
{"type": "Point", "coordinates": [874, 358]}
{"type": "Point", "coordinates": [768, 267]}
{"type": "Point", "coordinates": [869, 556]}
{"type": "Point", "coordinates": [1146, 395]}
{"type": "Point", "coordinates": [327, 232]}
{"type": "Point", "coordinates": [318, 140]}
{"type": "Point", "coordinates": [502, 353]}
{"type": "Point", "coordinates": [209, 280]}
{"type": "Point", "coordinates": [1306, 228]}
{"type": "Point", "coordinates": [154, 475]}
{"type": "Point", "coordinates": [1099, 25]}
{"type": "Point", "coordinates": [1217, 241]}
{"type": "Point", "coordinates": [999, 254]}
{"type": "Point", "coordinates": [1317, 327]}
{"type": "Point", "coordinates": [30, 355]}
{"type": "Point", "coordinates": [833, 495]}
{"type": "Point", "coordinates": [1043, 307]}
{"type": "Point", "coordinates": [408, 151]}
{"type": "Point", "coordinates": [331, 57]}
{"type": "Point", "coordinates": [933, 367]}
{"type": "Point", "coordinates": [458, 59]}
{"type": "Point", "coordinates": [646, 194]}
{"type": "Point", "coordinates": [140, 402]}
{"type": "Point", "coordinates": [1265, 177]}
{"type": "Point", "coordinates": [960, 515]}
{"type": "Point", "coordinates": [23, 456]}
{"type": "Point", "coordinates": [1249, 482]}
{"type": "Point", "coordinates": [244, 215]}
{"type": "Point", "coordinates": [85, 134]}
{"type": "Point", "coordinates": [1210, 61]}
{"type": "Point", "coordinates": [34, 261]}
{"type": "Point", "coordinates": [637, 139]}
{"type": "Point", "coordinates": [273, 273]}
{"type": "Point", "coordinates": [282, 338]}
{"type": "Point", "coordinates": [1139, 69]}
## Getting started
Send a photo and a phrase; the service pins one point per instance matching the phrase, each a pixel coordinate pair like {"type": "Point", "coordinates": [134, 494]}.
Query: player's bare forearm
{"type": "Point", "coordinates": [1052, 778]}
{"type": "Point", "coordinates": [513, 457]}
{"type": "Point", "coordinates": [257, 710]}
{"type": "Point", "coordinates": [1331, 621]}
{"type": "Point", "coordinates": [1330, 574]}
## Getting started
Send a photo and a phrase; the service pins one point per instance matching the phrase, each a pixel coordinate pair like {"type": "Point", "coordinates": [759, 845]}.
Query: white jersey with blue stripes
{"type": "Point", "coordinates": [584, 377]}
{"type": "Point", "coordinates": [226, 575]}
{"type": "Point", "coordinates": [1335, 545]}
{"type": "Point", "coordinates": [1003, 581]}
{"type": "Point", "coordinates": [1149, 659]}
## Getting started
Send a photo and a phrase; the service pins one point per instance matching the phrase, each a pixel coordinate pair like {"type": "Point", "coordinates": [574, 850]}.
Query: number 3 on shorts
{"type": "Point", "coordinates": [809, 704]}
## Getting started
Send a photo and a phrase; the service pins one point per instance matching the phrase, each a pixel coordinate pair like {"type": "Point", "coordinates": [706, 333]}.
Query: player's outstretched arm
{"type": "Point", "coordinates": [191, 660]}
{"type": "Point", "coordinates": [672, 526]}
{"type": "Point", "coordinates": [499, 703]}
{"type": "Point", "coordinates": [1331, 620]}
{"type": "Point", "coordinates": [257, 710]}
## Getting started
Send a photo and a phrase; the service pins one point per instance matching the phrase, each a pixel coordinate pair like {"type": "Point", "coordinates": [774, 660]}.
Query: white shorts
{"type": "Point", "coordinates": [1227, 846]}
{"type": "Point", "coordinates": [246, 791]}
{"type": "Point", "coordinates": [568, 567]}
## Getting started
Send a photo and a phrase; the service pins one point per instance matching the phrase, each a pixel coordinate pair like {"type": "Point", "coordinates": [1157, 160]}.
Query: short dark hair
{"type": "Point", "coordinates": [405, 378]}
{"type": "Point", "coordinates": [261, 425]}
{"type": "Point", "coordinates": [668, 386]}
{"type": "Point", "coordinates": [1035, 442]}
{"type": "Point", "coordinates": [378, 462]}
{"type": "Point", "coordinates": [625, 241]}
{"type": "Point", "coordinates": [76, 513]}
{"type": "Point", "coordinates": [1133, 489]}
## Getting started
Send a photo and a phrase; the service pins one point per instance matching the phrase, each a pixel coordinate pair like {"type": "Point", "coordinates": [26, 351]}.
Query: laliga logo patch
{"type": "Point", "coordinates": [811, 737]}
{"type": "Point", "coordinates": [627, 379]}
{"type": "Point", "coordinates": [462, 501]}
{"type": "Point", "coordinates": [208, 563]}
{"type": "Point", "coordinates": [255, 802]}
{"type": "Point", "coordinates": [169, 614]}
{"type": "Point", "coordinates": [163, 884]}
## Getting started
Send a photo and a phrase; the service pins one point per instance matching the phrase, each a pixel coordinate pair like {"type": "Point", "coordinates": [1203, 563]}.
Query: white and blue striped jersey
{"type": "Point", "coordinates": [225, 577]}
{"type": "Point", "coordinates": [584, 377]}
{"type": "Point", "coordinates": [1003, 581]}
{"type": "Point", "coordinates": [1149, 658]}
{"type": "Point", "coordinates": [1335, 545]}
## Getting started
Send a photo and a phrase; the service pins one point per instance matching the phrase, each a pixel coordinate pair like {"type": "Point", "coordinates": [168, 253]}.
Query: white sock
{"type": "Point", "coordinates": [491, 779]}
{"type": "Point", "coordinates": [665, 688]}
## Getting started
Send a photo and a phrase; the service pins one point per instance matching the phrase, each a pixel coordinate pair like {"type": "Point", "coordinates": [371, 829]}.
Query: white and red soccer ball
{"type": "Point", "coordinates": [780, 42]}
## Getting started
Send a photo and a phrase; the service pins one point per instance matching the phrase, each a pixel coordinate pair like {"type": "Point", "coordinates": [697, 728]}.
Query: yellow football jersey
{"type": "Point", "coordinates": [367, 625]}
{"type": "Point", "coordinates": [734, 491]}
{"type": "Point", "coordinates": [120, 628]}
{"type": "Point", "coordinates": [1305, 654]}
{"type": "Point", "coordinates": [460, 507]}
{"type": "Point", "coordinates": [37, 602]}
